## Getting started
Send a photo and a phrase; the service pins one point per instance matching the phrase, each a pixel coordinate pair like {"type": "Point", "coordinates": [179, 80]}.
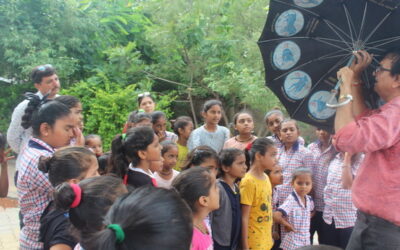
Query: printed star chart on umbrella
{"type": "Point", "coordinates": [305, 42]}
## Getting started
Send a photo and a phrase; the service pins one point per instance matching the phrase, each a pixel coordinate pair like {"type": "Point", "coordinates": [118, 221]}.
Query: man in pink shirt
{"type": "Point", "coordinates": [376, 188]}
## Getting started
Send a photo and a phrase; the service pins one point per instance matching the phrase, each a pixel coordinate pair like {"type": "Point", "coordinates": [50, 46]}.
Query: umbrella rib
{"type": "Point", "coordinates": [331, 44]}
{"type": "Point", "coordinates": [341, 38]}
{"type": "Point", "coordinates": [363, 21]}
{"type": "Point", "coordinates": [384, 41]}
{"type": "Point", "coordinates": [328, 56]}
{"type": "Point", "coordinates": [320, 79]}
{"type": "Point", "coordinates": [349, 22]}
{"type": "Point", "coordinates": [379, 25]}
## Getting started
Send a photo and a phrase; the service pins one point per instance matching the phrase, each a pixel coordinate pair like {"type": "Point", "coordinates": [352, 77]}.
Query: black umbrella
{"type": "Point", "coordinates": [305, 42]}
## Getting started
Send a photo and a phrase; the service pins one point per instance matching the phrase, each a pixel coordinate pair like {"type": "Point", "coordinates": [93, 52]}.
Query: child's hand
{"type": "Point", "coordinates": [80, 139]}
{"type": "Point", "coordinates": [4, 158]}
{"type": "Point", "coordinates": [288, 227]}
{"type": "Point", "coordinates": [161, 136]}
{"type": "Point", "coordinates": [275, 235]}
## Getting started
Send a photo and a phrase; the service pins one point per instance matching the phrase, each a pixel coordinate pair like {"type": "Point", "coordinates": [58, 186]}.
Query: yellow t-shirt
{"type": "Point", "coordinates": [258, 194]}
{"type": "Point", "coordinates": [182, 153]}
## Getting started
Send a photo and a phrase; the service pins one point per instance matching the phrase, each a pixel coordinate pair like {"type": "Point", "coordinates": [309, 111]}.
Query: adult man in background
{"type": "Point", "coordinates": [376, 188]}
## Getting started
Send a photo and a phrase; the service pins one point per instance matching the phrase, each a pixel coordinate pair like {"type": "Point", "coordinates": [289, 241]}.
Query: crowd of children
{"type": "Point", "coordinates": [187, 189]}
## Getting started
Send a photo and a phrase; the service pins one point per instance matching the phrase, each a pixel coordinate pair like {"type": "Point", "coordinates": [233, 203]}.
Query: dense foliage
{"type": "Point", "coordinates": [107, 51]}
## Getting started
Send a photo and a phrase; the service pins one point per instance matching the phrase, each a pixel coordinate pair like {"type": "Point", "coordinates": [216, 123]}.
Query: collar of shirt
{"type": "Point", "coordinates": [39, 144]}
{"type": "Point", "coordinates": [140, 171]}
{"type": "Point", "coordinates": [297, 199]}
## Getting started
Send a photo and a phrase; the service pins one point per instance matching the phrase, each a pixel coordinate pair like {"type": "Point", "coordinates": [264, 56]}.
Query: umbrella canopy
{"type": "Point", "coordinates": [305, 42]}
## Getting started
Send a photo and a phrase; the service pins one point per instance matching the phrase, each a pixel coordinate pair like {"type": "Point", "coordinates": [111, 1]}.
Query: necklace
{"type": "Point", "coordinates": [246, 140]}
{"type": "Point", "coordinates": [203, 229]}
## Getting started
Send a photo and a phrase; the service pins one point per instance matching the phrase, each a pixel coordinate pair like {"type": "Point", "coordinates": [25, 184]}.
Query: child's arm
{"type": "Point", "coordinates": [4, 172]}
{"type": "Point", "coordinates": [347, 176]}
{"type": "Point", "coordinates": [278, 218]}
{"type": "Point", "coordinates": [245, 226]}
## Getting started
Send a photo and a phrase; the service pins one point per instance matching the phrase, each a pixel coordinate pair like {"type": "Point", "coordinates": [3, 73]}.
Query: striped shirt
{"type": "Point", "coordinates": [338, 204]}
{"type": "Point", "coordinates": [297, 156]}
{"type": "Point", "coordinates": [278, 142]}
{"type": "Point", "coordinates": [34, 191]}
{"type": "Point", "coordinates": [320, 171]}
{"type": "Point", "coordinates": [299, 216]}
{"type": "Point", "coordinates": [202, 137]}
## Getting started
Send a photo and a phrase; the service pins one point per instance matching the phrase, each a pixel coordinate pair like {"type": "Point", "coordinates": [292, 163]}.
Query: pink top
{"type": "Point", "coordinates": [201, 241]}
{"type": "Point", "coordinates": [375, 189]}
{"type": "Point", "coordinates": [233, 143]}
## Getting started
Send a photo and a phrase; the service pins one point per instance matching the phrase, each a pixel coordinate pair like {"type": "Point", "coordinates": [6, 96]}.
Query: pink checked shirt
{"type": "Point", "coordinates": [278, 142]}
{"type": "Point", "coordinates": [299, 216]}
{"type": "Point", "coordinates": [34, 192]}
{"type": "Point", "coordinates": [376, 189]}
{"type": "Point", "coordinates": [320, 171]}
{"type": "Point", "coordinates": [297, 156]}
{"type": "Point", "coordinates": [338, 204]}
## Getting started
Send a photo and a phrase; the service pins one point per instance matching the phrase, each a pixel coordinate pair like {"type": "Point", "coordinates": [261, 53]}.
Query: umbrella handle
{"type": "Point", "coordinates": [334, 92]}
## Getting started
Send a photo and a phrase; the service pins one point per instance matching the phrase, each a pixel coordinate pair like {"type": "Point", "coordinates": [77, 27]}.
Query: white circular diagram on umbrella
{"type": "Point", "coordinates": [286, 55]}
{"type": "Point", "coordinates": [289, 23]}
{"type": "Point", "coordinates": [307, 3]}
{"type": "Point", "coordinates": [317, 105]}
{"type": "Point", "coordinates": [297, 85]}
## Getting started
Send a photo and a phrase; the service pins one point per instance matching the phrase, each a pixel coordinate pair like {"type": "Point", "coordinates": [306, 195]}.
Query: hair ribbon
{"type": "Point", "coordinates": [78, 195]}
{"type": "Point", "coordinates": [248, 147]}
{"type": "Point", "coordinates": [119, 233]}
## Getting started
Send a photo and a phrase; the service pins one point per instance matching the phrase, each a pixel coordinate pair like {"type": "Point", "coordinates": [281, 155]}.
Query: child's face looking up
{"type": "Point", "coordinates": [302, 184]}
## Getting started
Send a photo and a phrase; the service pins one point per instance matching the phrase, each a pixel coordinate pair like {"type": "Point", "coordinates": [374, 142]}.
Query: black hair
{"type": "Point", "coordinates": [2, 141]}
{"type": "Point", "coordinates": [291, 120]}
{"type": "Point", "coordinates": [156, 115]}
{"type": "Point", "coordinates": [181, 122]}
{"type": "Point", "coordinates": [42, 71]}
{"type": "Point", "coordinates": [235, 118]}
{"type": "Point", "coordinates": [394, 55]}
{"type": "Point", "coordinates": [66, 163]}
{"type": "Point", "coordinates": [98, 194]}
{"type": "Point", "coordinates": [275, 111]}
{"type": "Point", "coordinates": [151, 218]}
{"type": "Point", "coordinates": [137, 116]}
{"type": "Point", "coordinates": [227, 157]}
{"type": "Point", "coordinates": [125, 150]}
{"type": "Point", "coordinates": [209, 104]}
{"type": "Point", "coordinates": [68, 100]}
{"type": "Point", "coordinates": [140, 98]}
{"type": "Point", "coordinates": [261, 146]}
{"type": "Point", "coordinates": [91, 136]}
{"type": "Point", "coordinates": [192, 184]}
{"type": "Point", "coordinates": [166, 146]}
{"type": "Point", "coordinates": [103, 161]}
{"type": "Point", "coordinates": [36, 114]}
{"type": "Point", "coordinates": [198, 155]}
{"type": "Point", "coordinates": [300, 171]}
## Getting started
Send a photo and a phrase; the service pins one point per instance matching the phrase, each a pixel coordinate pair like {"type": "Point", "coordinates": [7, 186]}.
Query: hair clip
{"type": "Point", "coordinates": [123, 137]}
{"type": "Point", "coordinates": [248, 147]}
{"type": "Point", "coordinates": [78, 195]}
{"type": "Point", "coordinates": [119, 232]}
{"type": "Point", "coordinates": [144, 94]}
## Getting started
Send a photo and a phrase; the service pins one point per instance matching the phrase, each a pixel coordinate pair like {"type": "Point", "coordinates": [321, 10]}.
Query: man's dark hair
{"type": "Point", "coordinates": [42, 71]}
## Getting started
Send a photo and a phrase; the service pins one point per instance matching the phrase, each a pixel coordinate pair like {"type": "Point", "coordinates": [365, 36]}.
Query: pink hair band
{"type": "Point", "coordinates": [78, 195]}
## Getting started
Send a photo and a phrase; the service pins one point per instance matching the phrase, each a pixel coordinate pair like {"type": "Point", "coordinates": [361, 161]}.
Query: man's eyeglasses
{"type": "Point", "coordinates": [44, 67]}
{"type": "Point", "coordinates": [144, 94]}
{"type": "Point", "coordinates": [380, 69]}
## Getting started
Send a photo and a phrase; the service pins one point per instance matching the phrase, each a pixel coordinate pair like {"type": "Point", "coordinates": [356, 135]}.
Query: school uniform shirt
{"type": "Point", "coordinates": [257, 194]}
{"type": "Point", "coordinates": [201, 241]}
{"type": "Point", "coordinates": [34, 192]}
{"type": "Point", "coordinates": [320, 171]}
{"type": "Point", "coordinates": [234, 143]}
{"type": "Point", "coordinates": [338, 204]}
{"type": "Point", "coordinates": [163, 183]}
{"type": "Point", "coordinates": [202, 137]}
{"type": "Point", "coordinates": [55, 228]}
{"type": "Point", "coordinates": [299, 216]}
{"type": "Point", "coordinates": [296, 157]}
{"type": "Point", "coordinates": [137, 177]}
{"type": "Point", "coordinates": [278, 142]}
{"type": "Point", "coordinates": [170, 136]}
{"type": "Point", "coordinates": [182, 155]}
{"type": "Point", "coordinates": [226, 220]}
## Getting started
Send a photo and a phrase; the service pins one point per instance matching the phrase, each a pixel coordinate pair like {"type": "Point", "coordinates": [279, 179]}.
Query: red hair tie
{"type": "Point", "coordinates": [248, 147]}
{"type": "Point", "coordinates": [78, 195]}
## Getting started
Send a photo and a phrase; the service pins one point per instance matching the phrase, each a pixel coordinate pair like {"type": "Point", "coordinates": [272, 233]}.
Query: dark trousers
{"type": "Point", "coordinates": [317, 226]}
{"type": "Point", "coordinates": [338, 237]}
{"type": "Point", "coordinates": [372, 232]}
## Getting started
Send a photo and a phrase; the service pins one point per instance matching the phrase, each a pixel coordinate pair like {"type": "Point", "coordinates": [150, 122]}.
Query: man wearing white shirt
{"type": "Point", "coordinates": [46, 81]}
